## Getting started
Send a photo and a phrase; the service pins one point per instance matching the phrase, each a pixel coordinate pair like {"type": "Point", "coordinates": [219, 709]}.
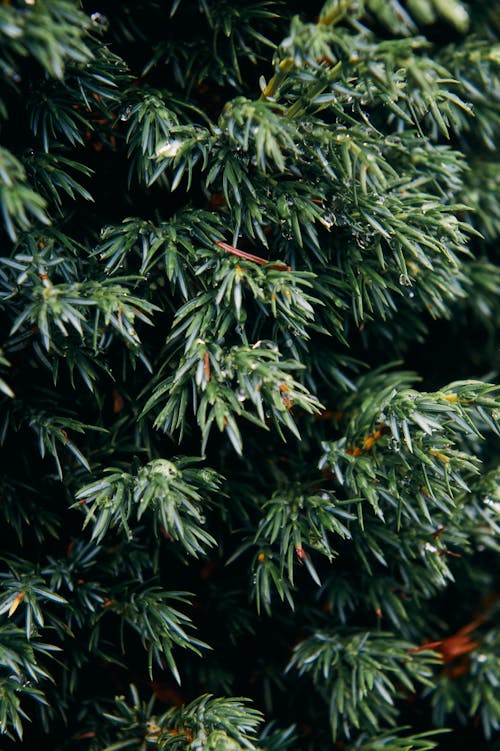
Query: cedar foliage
{"type": "Point", "coordinates": [249, 430]}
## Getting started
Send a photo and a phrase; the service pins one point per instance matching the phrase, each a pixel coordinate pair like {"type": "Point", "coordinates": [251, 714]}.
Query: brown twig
{"type": "Point", "coordinates": [249, 257]}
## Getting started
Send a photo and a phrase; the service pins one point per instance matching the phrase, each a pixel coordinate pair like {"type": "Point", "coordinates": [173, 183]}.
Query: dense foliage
{"type": "Point", "coordinates": [249, 431]}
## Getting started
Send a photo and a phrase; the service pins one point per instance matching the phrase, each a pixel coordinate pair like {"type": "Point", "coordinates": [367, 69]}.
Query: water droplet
{"type": "Point", "coordinates": [404, 280]}
{"type": "Point", "coordinates": [411, 294]}
{"type": "Point", "coordinates": [170, 148]}
{"type": "Point", "coordinates": [126, 113]}
{"type": "Point", "coordinates": [394, 445]}
{"type": "Point", "coordinates": [100, 21]}
{"type": "Point", "coordinates": [202, 519]}
{"type": "Point", "coordinates": [495, 505]}
{"type": "Point", "coordinates": [328, 220]}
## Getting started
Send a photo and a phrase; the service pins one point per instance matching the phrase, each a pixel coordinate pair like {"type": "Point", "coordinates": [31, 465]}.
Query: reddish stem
{"type": "Point", "coordinates": [249, 257]}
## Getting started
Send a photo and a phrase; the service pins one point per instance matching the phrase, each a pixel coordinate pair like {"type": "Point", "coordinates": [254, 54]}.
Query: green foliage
{"type": "Point", "coordinates": [393, 742]}
{"type": "Point", "coordinates": [159, 626]}
{"type": "Point", "coordinates": [217, 724]}
{"type": "Point", "coordinates": [246, 372]}
{"type": "Point", "coordinates": [416, 438]}
{"type": "Point", "coordinates": [367, 668]}
{"type": "Point", "coordinates": [19, 670]}
{"type": "Point", "coordinates": [475, 691]}
{"type": "Point", "coordinates": [52, 32]}
{"type": "Point", "coordinates": [166, 488]}
{"type": "Point", "coordinates": [245, 246]}
{"type": "Point", "coordinates": [20, 204]}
